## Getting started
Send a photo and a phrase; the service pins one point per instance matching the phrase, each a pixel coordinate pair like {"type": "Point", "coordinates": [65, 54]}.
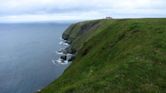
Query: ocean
{"type": "Point", "coordinates": [26, 54]}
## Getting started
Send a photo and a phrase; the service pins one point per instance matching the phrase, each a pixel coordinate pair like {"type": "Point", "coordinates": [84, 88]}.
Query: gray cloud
{"type": "Point", "coordinates": [42, 10]}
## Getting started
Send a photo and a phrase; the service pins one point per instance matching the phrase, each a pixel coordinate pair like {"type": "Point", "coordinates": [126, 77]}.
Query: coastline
{"type": "Point", "coordinates": [111, 57]}
{"type": "Point", "coordinates": [66, 57]}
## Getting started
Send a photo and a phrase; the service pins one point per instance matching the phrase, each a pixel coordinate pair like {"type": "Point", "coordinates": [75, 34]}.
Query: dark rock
{"type": "Point", "coordinates": [62, 61]}
{"type": "Point", "coordinates": [70, 50]}
{"type": "Point", "coordinates": [72, 58]}
{"type": "Point", "coordinates": [64, 57]}
{"type": "Point", "coordinates": [67, 49]}
{"type": "Point", "coordinates": [62, 51]}
{"type": "Point", "coordinates": [65, 36]}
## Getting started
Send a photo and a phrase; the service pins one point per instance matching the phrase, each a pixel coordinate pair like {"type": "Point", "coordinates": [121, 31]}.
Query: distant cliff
{"type": "Point", "coordinates": [115, 56]}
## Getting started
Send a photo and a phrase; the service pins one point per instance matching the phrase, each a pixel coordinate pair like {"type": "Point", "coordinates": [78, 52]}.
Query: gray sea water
{"type": "Point", "coordinates": [26, 54]}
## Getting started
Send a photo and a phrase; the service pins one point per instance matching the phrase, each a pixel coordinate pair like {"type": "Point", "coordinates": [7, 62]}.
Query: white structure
{"type": "Point", "coordinates": [108, 17]}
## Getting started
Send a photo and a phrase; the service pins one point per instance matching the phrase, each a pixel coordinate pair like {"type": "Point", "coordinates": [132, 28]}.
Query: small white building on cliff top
{"type": "Point", "coordinates": [108, 17]}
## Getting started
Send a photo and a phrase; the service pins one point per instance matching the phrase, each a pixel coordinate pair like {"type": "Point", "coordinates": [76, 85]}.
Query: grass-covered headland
{"type": "Point", "coordinates": [115, 56]}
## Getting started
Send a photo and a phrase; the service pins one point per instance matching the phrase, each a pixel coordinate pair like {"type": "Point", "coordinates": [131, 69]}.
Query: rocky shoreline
{"type": "Point", "coordinates": [66, 54]}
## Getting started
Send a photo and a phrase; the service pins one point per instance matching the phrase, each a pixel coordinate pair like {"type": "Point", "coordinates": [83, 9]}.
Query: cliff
{"type": "Point", "coordinates": [115, 56]}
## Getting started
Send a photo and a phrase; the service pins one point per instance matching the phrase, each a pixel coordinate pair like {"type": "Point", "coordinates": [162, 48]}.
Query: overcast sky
{"type": "Point", "coordinates": [66, 10]}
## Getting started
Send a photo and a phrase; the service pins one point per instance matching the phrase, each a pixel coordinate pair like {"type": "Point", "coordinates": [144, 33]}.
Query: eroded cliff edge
{"type": "Point", "coordinates": [115, 56]}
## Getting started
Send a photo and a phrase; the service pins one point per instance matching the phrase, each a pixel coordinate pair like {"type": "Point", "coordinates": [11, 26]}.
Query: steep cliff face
{"type": "Point", "coordinates": [115, 56]}
{"type": "Point", "coordinates": [80, 32]}
{"type": "Point", "coordinates": [78, 29]}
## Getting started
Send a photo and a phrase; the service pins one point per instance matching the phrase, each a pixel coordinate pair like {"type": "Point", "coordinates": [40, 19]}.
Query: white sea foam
{"type": "Point", "coordinates": [39, 90]}
{"type": "Point", "coordinates": [53, 61]}
{"type": "Point", "coordinates": [66, 62]}
{"type": "Point", "coordinates": [60, 61]}
{"type": "Point", "coordinates": [59, 53]}
{"type": "Point", "coordinates": [62, 52]}
{"type": "Point", "coordinates": [63, 43]}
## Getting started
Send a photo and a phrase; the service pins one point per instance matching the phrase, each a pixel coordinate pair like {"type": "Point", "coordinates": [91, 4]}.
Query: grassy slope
{"type": "Point", "coordinates": [120, 56]}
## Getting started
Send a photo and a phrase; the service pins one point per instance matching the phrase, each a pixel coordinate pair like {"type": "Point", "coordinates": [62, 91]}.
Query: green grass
{"type": "Point", "coordinates": [116, 56]}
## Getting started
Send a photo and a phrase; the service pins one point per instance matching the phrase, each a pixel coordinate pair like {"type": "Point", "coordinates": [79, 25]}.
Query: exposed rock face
{"type": "Point", "coordinates": [72, 58]}
{"type": "Point", "coordinates": [70, 50]}
{"type": "Point", "coordinates": [75, 31]}
{"type": "Point", "coordinates": [64, 57]}
{"type": "Point", "coordinates": [65, 36]}
{"type": "Point", "coordinates": [78, 29]}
